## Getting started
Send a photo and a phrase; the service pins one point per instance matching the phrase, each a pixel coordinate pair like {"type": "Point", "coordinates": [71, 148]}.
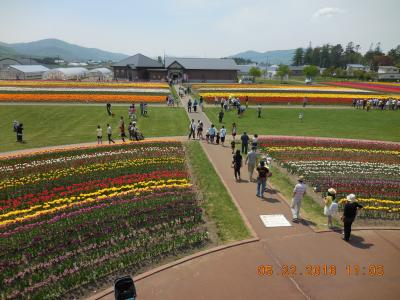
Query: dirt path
{"type": "Point", "coordinates": [232, 273]}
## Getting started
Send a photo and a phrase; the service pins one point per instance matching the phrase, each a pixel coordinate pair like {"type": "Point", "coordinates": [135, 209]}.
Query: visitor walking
{"type": "Point", "coordinates": [262, 179]}
{"type": "Point", "coordinates": [222, 134]}
{"type": "Point", "coordinates": [201, 100]}
{"type": "Point", "coordinates": [245, 142]}
{"type": "Point", "coordinates": [331, 207]}
{"type": "Point", "coordinates": [251, 162]}
{"type": "Point", "coordinates": [108, 107]}
{"type": "Point", "coordinates": [233, 145]}
{"type": "Point", "coordinates": [99, 135]}
{"type": "Point", "coordinates": [349, 214]}
{"type": "Point", "coordinates": [254, 142]}
{"type": "Point", "coordinates": [259, 111]}
{"type": "Point", "coordinates": [213, 133]}
{"type": "Point", "coordinates": [122, 128]}
{"type": "Point", "coordinates": [237, 164]}
{"type": "Point", "coordinates": [298, 193]}
{"type": "Point", "coordinates": [109, 134]}
{"type": "Point", "coordinates": [195, 105]}
{"type": "Point", "coordinates": [221, 115]}
{"type": "Point", "coordinates": [305, 101]}
{"type": "Point", "coordinates": [234, 131]}
{"type": "Point", "coordinates": [199, 130]}
{"type": "Point", "coordinates": [19, 131]}
{"type": "Point", "coordinates": [301, 117]}
{"type": "Point", "coordinates": [189, 106]}
{"type": "Point", "coordinates": [192, 128]}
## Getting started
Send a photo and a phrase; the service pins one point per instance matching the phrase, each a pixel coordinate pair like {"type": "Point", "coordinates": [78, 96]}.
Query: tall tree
{"type": "Point", "coordinates": [325, 56]}
{"type": "Point", "coordinates": [308, 55]}
{"type": "Point", "coordinates": [316, 56]}
{"type": "Point", "coordinates": [298, 57]}
{"type": "Point", "coordinates": [336, 56]}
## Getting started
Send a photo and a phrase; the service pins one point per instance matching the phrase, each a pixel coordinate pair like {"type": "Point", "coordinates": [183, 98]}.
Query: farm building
{"type": "Point", "coordinates": [202, 69]}
{"type": "Point", "coordinates": [139, 68]}
{"type": "Point", "coordinates": [66, 74]}
{"type": "Point", "coordinates": [143, 68]}
{"type": "Point", "coordinates": [100, 74]}
{"type": "Point", "coordinates": [388, 73]}
{"type": "Point", "coordinates": [32, 72]}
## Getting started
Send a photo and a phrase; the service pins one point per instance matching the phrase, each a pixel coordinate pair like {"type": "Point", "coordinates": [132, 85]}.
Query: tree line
{"type": "Point", "coordinates": [337, 56]}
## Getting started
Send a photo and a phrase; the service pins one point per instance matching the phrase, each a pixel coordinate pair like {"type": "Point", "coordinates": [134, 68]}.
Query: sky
{"type": "Point", "coordinates": [201, 28]}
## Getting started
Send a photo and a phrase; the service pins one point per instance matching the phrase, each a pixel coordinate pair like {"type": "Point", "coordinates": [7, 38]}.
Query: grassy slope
{"type": "Point", "coordinates": [58, 125]}
{"type": "Point", "coordinates": [356, 124]}
{"type": "Point", "coordinates": [217, 202]}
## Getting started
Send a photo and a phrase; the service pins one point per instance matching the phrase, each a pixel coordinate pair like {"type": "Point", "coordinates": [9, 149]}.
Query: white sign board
{"type": "Point", "coordinates": [274, 220]}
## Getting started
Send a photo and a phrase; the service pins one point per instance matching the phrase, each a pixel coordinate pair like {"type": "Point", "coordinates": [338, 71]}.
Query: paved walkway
{"type": "Point", "coordinates": [232, 273]}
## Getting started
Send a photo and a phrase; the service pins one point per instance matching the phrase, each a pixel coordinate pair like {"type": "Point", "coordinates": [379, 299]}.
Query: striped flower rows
{"type": "Point", "coordinates": [371, 170]}
{"type": "Point", "coordinates": [71, 217]}
{"type": "Point", "coordinates": [55, 91]}
{"type": "Point", "coordinates": [283, 94]}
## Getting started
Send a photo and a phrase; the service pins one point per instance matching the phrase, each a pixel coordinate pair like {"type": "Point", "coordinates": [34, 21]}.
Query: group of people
{"type": "Point", "coordinates": [382, 104]}
{"type": "Point", "coordinates": [195, 104]}
{"type": "Point", "coordinates": [331, 207]}
{"type": "Point", "coordinates": [262, 169]}
{"type": "Point", "coordinates": [99, 131]}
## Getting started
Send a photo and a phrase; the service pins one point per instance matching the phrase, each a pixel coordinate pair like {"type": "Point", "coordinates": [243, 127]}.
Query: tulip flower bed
{"type": "Point", "coordinates": [369, 169]}
{"type": "Point", "coordinates": [373, 86]}
{"type": "Point", "coordinates": [281, 94]}
{"type": "Point", "coordinates": [55, 91]}
{"type": "Point", "coordinates": [81, 84]}
{"type": "Point", "coordinates": [69, 218]}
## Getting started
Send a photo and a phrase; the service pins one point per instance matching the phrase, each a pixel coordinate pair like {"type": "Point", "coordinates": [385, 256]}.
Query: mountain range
{"type": "Point", "coordinates": [72, 52]}
{"type": "Point", "coordinates": [272, 57]}
{"type": "Point", "coordinates": [57, 48]}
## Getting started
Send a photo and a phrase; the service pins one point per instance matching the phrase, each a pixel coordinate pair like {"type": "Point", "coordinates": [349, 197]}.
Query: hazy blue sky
{"type": "Point", "coordinates": [206, 28]}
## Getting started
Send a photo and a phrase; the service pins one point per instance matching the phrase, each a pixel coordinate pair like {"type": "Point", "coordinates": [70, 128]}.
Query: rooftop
{"type": "Point", "coordinates": [29, 68]}
{"type": "Point", "coordinates": [203, 63]}
{"type": "Point", "coordinates": [139, 61]}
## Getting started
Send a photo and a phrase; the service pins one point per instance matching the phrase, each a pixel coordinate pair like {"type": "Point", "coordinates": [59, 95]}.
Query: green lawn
{"type": "Point", "coordinates": [217, 202]}
{"type": "Point", "coordinates": [69, 124]}
{"type": "Point", "coordinates": [324, 122]}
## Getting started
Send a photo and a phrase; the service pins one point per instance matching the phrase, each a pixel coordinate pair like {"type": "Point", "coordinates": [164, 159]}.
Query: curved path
{"type": "Point", "coordinates": [232, 273]}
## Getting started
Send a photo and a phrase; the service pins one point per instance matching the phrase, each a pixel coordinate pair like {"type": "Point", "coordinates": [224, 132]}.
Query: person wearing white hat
{"type": "Point", "coordinates": [298, 193]}
{"type": "Point", "coordinates": [331, 207]}
{"type": "Point", "coordinates": [349, 214]}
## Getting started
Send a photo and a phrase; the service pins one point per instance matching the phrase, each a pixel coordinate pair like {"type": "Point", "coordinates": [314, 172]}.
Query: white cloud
{"type": "Point", "coordinates": [327, 12]}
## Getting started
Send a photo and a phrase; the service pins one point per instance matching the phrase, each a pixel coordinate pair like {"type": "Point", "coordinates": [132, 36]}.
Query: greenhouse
{"type": "Point", "coordinates": [66, 74]}
{"type": "Point", "coordinates": [100, 74]}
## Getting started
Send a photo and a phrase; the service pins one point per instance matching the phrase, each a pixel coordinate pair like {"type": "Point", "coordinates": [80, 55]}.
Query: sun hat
{"type": "Point", "coordinates": [332, 191]}
{"type": "Point", "coordinates": [351, 197]}
{"type": "Point", "coordinates": [301, 178]}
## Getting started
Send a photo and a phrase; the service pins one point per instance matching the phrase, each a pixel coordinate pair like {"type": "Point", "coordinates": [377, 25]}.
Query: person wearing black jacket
{"type": "Point", "coordinates": [349, 214]}
{"type": "Point", "coordinates": [237, 164]}
{"type": "Point", "coordinates": [20, 129]}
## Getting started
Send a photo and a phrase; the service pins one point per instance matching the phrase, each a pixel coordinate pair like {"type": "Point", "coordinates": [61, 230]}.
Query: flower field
{"type": "Point", "coordinates": [57, 91]}
{"type": "Point", "coordinates": [69, 218]}
{"type": "Point", "coordinates": [281, 94]}
{"type": "Point", "coordinates": [373, 86]}
{"type": "Point", "coordinates": [369, 169]}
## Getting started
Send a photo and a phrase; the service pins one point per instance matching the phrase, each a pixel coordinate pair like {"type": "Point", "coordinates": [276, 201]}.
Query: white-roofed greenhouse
{"type": "Point", "coordinates": [66, 74]}
{"type": "Point", "coordinates": [101, 74]}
